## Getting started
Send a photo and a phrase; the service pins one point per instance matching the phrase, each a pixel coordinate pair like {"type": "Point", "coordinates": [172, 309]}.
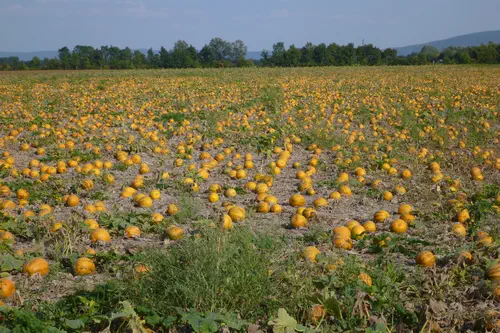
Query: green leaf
{"type": "Point", "coordinates": [9, 263]}
{"type": "Point", "coordinates": [153, 320]}
{"type": "Point", "coordinates": [284, 323]}
{"type": "Point", "coordinates": [332, 306]}
{"type": "Point", "coordinates": [208, 326]}
{"type": "Point", "coordinates": [74, 323]}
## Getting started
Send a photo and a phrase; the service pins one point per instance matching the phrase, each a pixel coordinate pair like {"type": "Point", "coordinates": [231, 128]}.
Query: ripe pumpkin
{"type": "Point", "coordinates": [335, 196]}
{"type": "Point", "coordinates": [298, 221]}
{"type": "Point", "coordinates": [310, 253]}
{"type": "Point", "coordinates": [370, 226]}
{"type": "Point", "coordinates": [351, 224]}
{"type": "Point", "coordinates": [276, 209]}
{"type": "Point", "coordinates": [213, 197]}
{"type": "Point", "coordinates": [172, 209]}
{"type": "Point", "coordinates": [227, 222]}
{"type": "Point", "coordinates": [155, 195]}
{"type": "Point", "coordinates": [132, 231]}
{"type": "Point", "coordinates": [100, 235]}
{"type": "Point", "coordinates": [7, 288]}
{"type": "Point", "coordinates": [426, 259]}
{"type": "Point", "coordinates": [358, 232]}
{"type": "Point", "coordinates": [405, 209]}
{"type": "Point", "coordinates": [463, 216]}
{"type": "Point", "coordinates": [459, 229]}
{"type": "Point", "coordinates": [317, 313]}
{"type": "Point", "coordinates": [342, 231]}
{"type": "Point", "coordinates": [36, 265]}
{"type": "Point", "coordinates": [309, 212]}
{"type": "Point", "coordinates": [174, 232]}
{"type": "Point", "coordinates": [399, 226]}
{"type": "Point", "coordinates": [84, 266]}
{"type": "Point", "coordinates": [72, 201]}
{"type": "Point", "coordinates": [381, 216]}
{"type": "Point", "coordinates": [341, 242]}
{"type": "Point", "coordinates": [237, 214]}
{"type": "Point", "coordinates": [297, 200]}
{"type": "Point", "coordinates": [263, 207]}
{"type": "Point", "coordinates": [365, 278]}
{"type": "Point", "coordinates": [320, 202]}
{"type": "Point", "coordinates": [145, 202]}
{"type": "Point", "coordinates": [494, 272]}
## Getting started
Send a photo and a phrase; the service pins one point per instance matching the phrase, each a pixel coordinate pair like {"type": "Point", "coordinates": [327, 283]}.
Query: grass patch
{"type": "Point", "coordinates": [217, 272]}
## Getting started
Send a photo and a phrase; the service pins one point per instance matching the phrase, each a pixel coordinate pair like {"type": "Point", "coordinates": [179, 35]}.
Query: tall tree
{"type": "Point", "coordinates": [238, 51]}
{"type": "Point", "coordinates": [65, 57]}
{"type": "Point", "coordinates": [35, 63]}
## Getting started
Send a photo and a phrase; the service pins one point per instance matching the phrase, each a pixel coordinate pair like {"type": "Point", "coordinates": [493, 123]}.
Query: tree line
{"type": "Point", "coordinates": [221, 53]}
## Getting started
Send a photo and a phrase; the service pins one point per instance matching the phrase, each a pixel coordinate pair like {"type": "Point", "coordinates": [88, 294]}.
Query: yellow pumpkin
{"type": "Point", "coordinates": [297, 200]}
{"type": "Point", "coordinates": [370, 226]}
{"type": "Point", "coordinates": [36, 266]}
{"type": "Point", "coordinates": [335, 196]}
{"type": "Point", "coordinates": [351, 224]}
{"type": "Point", "coordinates": [84, 266]}
{"type": "Point", "coordinates": [342, 231]}
{"type": "Point", "coordinates": [172, 209]}
{"type": "Point", "coordinates": [459, 229]}
{"type": "Point", "coordinates": [426, 259]}
{"type": "Point", "coordinates": [341, 242]}
{"type": "Point", "coordinates": [263, 207]}
{"type": "Point", "coordinates": [72, 201]}
{"type": "Point", "coordinates": [213, 197]}
{"type": "Point", "coordinates": [310, 253]}
{"type": "Point", "coordinates": [132, 231]}
{"type": "Point", "coordinates": [100, 235]}
{"type": "Point", "coordinates": [155, 195]}
{"type": "Point", "coordinates": [157, 217]}
{"type": "Point", "coordinates": [318, 312]}
{"type": "Point", "coordinates": [405, 209]}
{"type": "Point", "coordinates": [227, 222]}
{"type": "Point", "coordinates": [399, 226]}
{"type": "Point", "coordinates": [7, 288]}
{"type": "Point", "coordinates": [381, 216]}
{"type": "Point", "coordinates": [174, 232]}
{"type": "Point", "coordinates": [320, 202]}
{"type": "Point", "coordinates": [494, 272]}
{"type": "Point", "coordinates": [358, 232]}
{"type": "Point", "coordinates": [237, 214]}
{"type": "Point", "coordinates": [298, 221]}
{"type": "Point", "coordinates": [276, 209]}
{"type": "Point", "coordinates": [365, 278]}
{"type": "Point", "coordinates": [463, 216]}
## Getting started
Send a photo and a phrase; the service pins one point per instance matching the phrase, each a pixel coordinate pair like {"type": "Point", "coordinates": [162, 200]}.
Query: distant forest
{"type": "Point", "coordinates": [220, 53]}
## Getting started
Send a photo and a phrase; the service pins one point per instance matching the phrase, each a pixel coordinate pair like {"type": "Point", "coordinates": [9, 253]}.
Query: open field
{"type": "Point", "coordinates": [216, 200]}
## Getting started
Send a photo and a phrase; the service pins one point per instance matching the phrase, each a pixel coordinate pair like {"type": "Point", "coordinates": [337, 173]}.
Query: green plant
{"type": "Point", "coordinates": [217, 272]}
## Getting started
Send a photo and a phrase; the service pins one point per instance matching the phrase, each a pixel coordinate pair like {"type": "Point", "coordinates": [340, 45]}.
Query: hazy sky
{"type": "Point", "coordinates": [36, 25]}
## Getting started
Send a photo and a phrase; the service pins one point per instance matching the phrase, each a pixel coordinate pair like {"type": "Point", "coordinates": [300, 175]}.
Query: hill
{"type": "Point", "coordinates": [474, 39]}
{"type": "Point", "coordinates": [25, 56]}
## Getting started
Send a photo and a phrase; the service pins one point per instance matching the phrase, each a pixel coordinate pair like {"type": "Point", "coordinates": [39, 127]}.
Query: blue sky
{"type": "Point", "coordinates": [36, 25]}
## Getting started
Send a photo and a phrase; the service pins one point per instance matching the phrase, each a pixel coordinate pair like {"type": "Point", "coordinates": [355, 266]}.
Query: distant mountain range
{"type": "Point", "coordinates": [473, 39]}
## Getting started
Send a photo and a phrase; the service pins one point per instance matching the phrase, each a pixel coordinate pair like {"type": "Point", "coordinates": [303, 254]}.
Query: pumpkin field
{"type": "Point", "coordinates": [251, 200]}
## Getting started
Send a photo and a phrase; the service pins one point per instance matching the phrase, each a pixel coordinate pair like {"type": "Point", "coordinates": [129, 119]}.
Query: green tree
{"type": "Point", "coordinates": [292, 56]}
{"type": "Point", "coordinates": [431, 53]}
{"type": "Point", "coordinates": [320, 55]}
{"type": "Point", "coordinates": [139, 59]}
{"type": "Point", "coordinates": [278, 55]}
{"type": "Point", "coordinates": [65, 57]}
{"type": "Point", "coordinates": [35, 63]}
